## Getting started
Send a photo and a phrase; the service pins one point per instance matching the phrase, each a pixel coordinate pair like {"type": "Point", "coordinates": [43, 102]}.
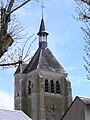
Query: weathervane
{"type": "Point", "coordinates": [42, 9]}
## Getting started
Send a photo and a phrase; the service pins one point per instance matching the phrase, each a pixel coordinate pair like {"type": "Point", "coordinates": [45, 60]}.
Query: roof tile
{"type": "Point", "coordinates": [13, 115]}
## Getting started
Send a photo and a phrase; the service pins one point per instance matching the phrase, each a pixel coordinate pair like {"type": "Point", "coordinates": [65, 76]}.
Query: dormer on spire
{"type": "Point", "coordinates": [42, 33]}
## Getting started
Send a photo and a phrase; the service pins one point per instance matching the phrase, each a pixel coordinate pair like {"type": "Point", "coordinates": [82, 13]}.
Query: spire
{"type": "Point", "coordinates": [42, 27]}
{"type": "Point", "coordinates": [42, 33]}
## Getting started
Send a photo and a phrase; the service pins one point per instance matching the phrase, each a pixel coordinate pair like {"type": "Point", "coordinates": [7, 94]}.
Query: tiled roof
{"type": "Point", "coordinates": [85, 100]}
{"type": "Point", "coordinates": [45, 60]}
{"type": "Point", "coordinates": [13, 115]}
{"type": "Point", "coordinates": [42, 27]}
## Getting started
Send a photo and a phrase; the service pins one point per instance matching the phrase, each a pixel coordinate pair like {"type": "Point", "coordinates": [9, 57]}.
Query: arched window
{"type": "Point", "coordinates": [46, 86]}
{"type": "Point", "coordinates": [57, 87]}
{"type": "Point", "coordinates": [29, 87]}
{"type": "Point", "coordinates": [52, 86]}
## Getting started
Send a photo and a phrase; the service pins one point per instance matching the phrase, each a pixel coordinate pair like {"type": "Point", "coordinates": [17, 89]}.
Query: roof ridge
{"type": "Point", "coordinates": [85, 100]}
{"type": "Point", "coordinates": [32, 61]}
{"type": "Point", "coordinates": [39, 58]}
{"type": "Point", "coordinates": [11, 110]}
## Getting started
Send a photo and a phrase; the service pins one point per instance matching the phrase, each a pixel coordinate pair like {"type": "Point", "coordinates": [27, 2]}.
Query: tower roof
{"type": "Point", "coordinates": [44, 60]}
{"type": "Point", "coordinates": [42, 25]}
{"type": "Point", "coordinates": [42, 28]}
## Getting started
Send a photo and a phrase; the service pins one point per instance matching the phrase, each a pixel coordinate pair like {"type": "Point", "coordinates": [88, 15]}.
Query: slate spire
{"type": "Point", "coordinates": [42, 26]}
{"type": "Point", "coordinates": [42, 33]}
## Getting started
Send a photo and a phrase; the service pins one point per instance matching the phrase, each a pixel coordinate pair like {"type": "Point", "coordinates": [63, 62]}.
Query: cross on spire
{"type": "Point", "coordinates": [42, 33]}
{"type": "Point", "coordinates": [42, 6]}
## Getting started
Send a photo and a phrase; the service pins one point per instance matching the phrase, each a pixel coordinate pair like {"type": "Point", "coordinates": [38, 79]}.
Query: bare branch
{"type": "Point", "coordinates": [9, 31]}
{"type": "Point", "coordinates": [8, 64]}
{"type": "Point", "coordinates": [10, 6]}
{"type": "Point", "coordinates": [20, 5]}
{"type": "Point", "coordinates": [86, 1]}
{"type": "Point", "coordinates": [83, 8]}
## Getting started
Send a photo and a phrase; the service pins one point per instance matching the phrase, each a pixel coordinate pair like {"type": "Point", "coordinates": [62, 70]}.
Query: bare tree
{"type": "Point", "coordinates": [6, 10]}
{"type": "Point", "coordinates": [18, 53]}
{"type": "Point", "coordinates": [83, 10]}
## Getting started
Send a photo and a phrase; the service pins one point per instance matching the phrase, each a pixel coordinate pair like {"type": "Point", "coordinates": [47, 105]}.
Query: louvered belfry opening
{"type": "Point", "coordinates": [46, 86]}
{"type": "Point", "coordinates": [57, 87]}
{"type": "Point", "coordinates": [52, 86]}
{"type": "Point", "coordinates": [29, 87]}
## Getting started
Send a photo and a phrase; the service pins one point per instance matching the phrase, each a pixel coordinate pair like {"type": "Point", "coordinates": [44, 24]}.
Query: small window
{"type": "Point", "coordinates": [52, 86]}
{"type": "Point", "coordinates": [17, 94]}
{"type": "Point", "coordinates": [46, 86]}
{"type": "Point", "coordinates": [57, 87]}
{"type": "Point", "coordinates": [29, 87]}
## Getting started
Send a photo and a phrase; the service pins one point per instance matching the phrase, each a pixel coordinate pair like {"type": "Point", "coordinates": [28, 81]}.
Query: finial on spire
{"type": "Point", "coordinates": [42, 9]}
{"type": "Point", "coordinates": [42, 33]}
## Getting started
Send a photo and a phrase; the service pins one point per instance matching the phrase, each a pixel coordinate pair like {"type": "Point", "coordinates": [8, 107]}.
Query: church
{"type": "Point", "coordinates": [42, 89]}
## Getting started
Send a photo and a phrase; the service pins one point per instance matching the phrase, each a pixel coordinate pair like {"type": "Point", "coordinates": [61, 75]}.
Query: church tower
{"type": "Point", "coordinates": [42, 88]}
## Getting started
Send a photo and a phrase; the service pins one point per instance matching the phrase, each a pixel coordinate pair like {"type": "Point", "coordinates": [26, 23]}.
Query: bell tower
{"type": "Point", "coordinates": [42, 90]}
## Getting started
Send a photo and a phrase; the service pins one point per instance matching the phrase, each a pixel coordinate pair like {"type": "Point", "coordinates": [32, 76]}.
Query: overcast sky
{"type": "Point", "coordinates": [65, 40]}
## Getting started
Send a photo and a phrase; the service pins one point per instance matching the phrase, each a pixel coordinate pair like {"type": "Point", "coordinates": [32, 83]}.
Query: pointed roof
{"type": "Point", "coordinates": [44, 60]}
{"type": "Point", "coordinates": [85, 100]}
{"type": "Point", "coordinates": [42, 25]}
{"type": "Point", "coordinates": [42, 28]}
